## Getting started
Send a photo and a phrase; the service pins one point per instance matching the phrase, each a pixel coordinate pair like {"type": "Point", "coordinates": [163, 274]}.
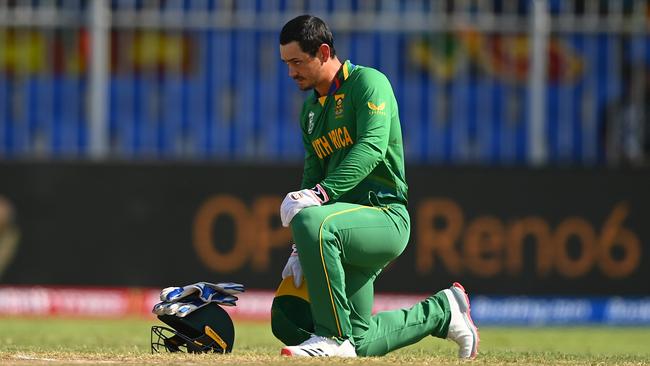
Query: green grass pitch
{"type": "Point", "coordinates": [56, 341]}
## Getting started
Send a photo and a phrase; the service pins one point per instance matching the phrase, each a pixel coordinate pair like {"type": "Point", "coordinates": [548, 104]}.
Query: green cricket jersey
{"type": "Point", "coordinates": [353, 139]}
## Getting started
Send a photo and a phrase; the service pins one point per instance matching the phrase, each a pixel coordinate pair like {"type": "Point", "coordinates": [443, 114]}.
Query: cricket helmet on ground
{"type": "Point", "coordinates": [291, 319]}
{"type": "Point", "coordinates": [207, 329]}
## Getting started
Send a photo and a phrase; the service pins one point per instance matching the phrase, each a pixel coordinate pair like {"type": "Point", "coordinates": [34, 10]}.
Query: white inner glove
{"type": "Point", "coordinates": [293, 268]}
{"type": "Point", "coordinates": [296, 201]}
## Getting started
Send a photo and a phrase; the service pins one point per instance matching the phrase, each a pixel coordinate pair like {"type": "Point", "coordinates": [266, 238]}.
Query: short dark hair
{"type": "Point", "coordinates": [310, 32]}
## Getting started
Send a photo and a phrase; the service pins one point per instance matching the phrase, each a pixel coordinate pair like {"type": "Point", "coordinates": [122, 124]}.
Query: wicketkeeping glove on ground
{"type": "Point", "coordinates": [293, 268]}
{"type": "Point", "coordinates": [181, 301]}
{"type": "Point", "coordinates": [205, 290]}
{"type": "Point", "coordinates": [296, 201]}
{"type": "Point", "coordinates": [179, 309]}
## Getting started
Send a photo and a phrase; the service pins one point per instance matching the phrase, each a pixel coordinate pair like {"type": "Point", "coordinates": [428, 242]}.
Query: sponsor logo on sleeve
{"type": "Point", "coordinates": [310, 122]}
{"type": "Point", "coordinates": [377, 109]}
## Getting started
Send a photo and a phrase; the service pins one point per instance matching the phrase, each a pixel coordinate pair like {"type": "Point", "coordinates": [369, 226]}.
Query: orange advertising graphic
{"type": "Point", "coordinates": [485, 246]}
{"type": "Point", "coordinates": [488, 246]}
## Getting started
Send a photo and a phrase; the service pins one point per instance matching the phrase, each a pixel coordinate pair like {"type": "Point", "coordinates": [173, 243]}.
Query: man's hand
{"type": "Point", "coordinates": [293, 268]}
{"type": "Point", "coordinates": [296, 201]}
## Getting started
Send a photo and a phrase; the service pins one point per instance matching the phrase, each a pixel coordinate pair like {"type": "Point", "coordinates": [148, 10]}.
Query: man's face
{"type": "Point", "coordinates": [303, 68]}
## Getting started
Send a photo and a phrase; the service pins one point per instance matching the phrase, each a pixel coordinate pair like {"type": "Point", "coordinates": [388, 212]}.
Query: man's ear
{"type": "Point", "coordinates": [324, 51]}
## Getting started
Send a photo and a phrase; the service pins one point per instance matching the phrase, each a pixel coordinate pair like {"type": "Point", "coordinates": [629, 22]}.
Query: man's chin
{"type": "Point", "coordinates": [304, 87]}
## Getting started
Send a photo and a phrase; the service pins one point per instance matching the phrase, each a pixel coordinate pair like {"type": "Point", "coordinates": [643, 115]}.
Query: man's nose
{"type": "Point", "coordinates": [292, 72]}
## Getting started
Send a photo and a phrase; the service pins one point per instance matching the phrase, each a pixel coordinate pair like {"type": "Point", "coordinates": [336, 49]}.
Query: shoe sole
{"type": "Point", "coordinates": [463, 302]}
{"type": "Point", "coordinates": [318, 352]}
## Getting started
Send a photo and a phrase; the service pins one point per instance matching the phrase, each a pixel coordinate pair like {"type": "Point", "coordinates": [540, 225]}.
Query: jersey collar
{"type": "Point", "coordinates": [341, 76]}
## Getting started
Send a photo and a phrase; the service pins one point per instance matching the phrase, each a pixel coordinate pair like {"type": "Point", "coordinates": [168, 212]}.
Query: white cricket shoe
{"type": "Point", "coordinates": [318, 346]}
{"type": "Point", "coordinates": [461, 327]}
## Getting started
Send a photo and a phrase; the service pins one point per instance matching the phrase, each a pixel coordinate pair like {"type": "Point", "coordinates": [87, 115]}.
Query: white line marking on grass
{"type": "Point", "coordinates": [32, 358]}
{"type": "Point", "coordinates": [67, 361]}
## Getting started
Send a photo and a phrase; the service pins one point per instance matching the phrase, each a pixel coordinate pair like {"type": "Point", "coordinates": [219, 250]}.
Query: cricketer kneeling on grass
{"type": "Point", "coordinates": [349, 217]}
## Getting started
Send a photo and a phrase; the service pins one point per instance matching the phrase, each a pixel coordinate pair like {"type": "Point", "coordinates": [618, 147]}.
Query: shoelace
{"type": "Point", "coordinates": [314, 346]}
{"type": "Point", "coordinates": [313, 340]}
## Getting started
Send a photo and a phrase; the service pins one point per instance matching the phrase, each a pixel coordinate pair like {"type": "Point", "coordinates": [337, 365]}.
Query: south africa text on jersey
{"type": "Point", "coordinates": [335, 139]}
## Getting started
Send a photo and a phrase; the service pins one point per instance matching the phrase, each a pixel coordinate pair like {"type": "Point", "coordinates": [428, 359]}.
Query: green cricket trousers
{"type": "Point", "coordinates": [342, 249]}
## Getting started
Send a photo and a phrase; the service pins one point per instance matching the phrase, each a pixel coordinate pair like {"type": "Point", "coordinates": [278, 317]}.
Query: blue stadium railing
{"type": "Point", "coordinates": [218, 92]}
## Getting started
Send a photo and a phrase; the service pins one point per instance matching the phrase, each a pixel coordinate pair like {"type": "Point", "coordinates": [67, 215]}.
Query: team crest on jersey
{"type": "Point", "coordinates": [338, 107]}
{"type": "Point", "coordinates": [310, 122]}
